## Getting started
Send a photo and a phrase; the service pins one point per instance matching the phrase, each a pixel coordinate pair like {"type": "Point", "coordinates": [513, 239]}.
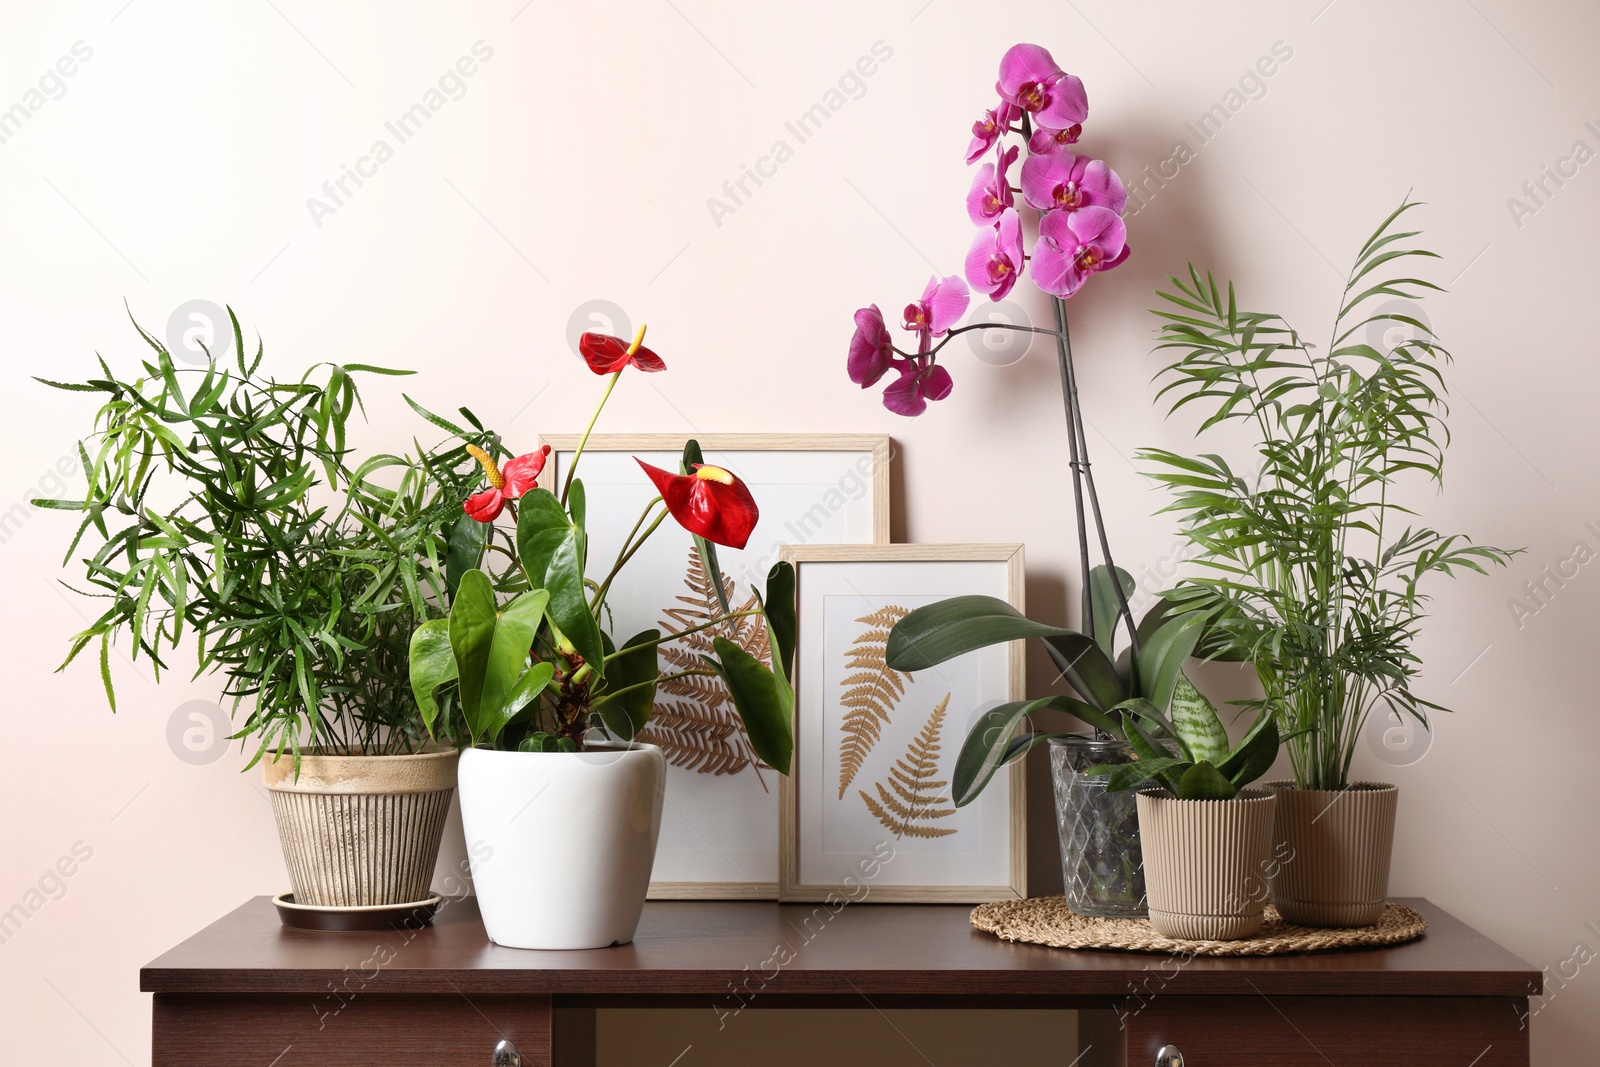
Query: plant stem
{"type": "Point", "coordinates": [1124, 612]}
{"type": "Point", "coordinates": [572, 468]}
{"type": "Point", "coordinates": [718, 621]}
{"type": "Point", "coordinates": [977, 326]}
{"type": "Point", "coordinates": [1064, 360]}
{"type": "Point", "coordinates": [651, 682]}
{"type": "Point", "coordinates": [605, 586]}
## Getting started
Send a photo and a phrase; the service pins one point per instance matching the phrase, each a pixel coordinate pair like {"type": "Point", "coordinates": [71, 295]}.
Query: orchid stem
{"type": "Point", "coordinates": [1076, 424]}
{"type": "Point", "coordinates": [1064, 360]}
{"type": "Point", "coordinates": [979, 326]}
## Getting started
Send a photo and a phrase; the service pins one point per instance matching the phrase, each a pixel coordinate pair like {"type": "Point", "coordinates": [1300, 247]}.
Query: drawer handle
{"type": "Point", "coordinates": [1169, 1056]}
{"type": "Point", "coordinates": [506, 1055]}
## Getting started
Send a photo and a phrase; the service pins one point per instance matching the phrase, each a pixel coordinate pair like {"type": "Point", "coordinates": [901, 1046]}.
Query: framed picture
{"type": "Point", "coordinates": [866, 810]}
{"type": "Point", "coordinates": [719, 829]}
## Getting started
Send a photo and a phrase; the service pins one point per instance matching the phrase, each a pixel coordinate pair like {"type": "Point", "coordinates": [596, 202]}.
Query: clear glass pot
{"type": "Point", "coordinates": [1101, 864]}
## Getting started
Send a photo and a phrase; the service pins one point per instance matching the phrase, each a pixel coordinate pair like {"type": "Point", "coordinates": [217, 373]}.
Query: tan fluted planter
{"type": "Point", "coordinates": [361, 830]}
{"type": "Point", "coordinates": [1205, 863]}
{"type": "Point", "coordinates": [1334, 847]}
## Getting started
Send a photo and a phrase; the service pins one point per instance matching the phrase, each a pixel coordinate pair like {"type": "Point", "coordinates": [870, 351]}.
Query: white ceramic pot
{"type": "Point", "coordinates": [562, 842]}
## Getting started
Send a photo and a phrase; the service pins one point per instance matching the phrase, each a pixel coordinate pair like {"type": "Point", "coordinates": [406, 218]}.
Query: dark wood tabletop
{"type": "Point", "coordinates": [697, 948]}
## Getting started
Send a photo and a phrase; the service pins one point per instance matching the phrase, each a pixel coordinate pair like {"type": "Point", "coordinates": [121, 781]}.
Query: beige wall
{"type": "Point", "coordinates": [177, 164]}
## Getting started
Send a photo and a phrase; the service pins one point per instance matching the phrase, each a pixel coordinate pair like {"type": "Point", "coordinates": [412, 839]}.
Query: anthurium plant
{"type": "Point", "coordinates": [525, 659]}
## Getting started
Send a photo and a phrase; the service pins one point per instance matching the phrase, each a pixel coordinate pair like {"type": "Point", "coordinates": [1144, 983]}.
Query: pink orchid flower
{"type": "Point", "coordinates": [995, 259]}
{"type": "Point", "coordinates": [990, 194]}
{"type": "Point", "coordinates": [1030, 79]}
{"type": "Point", "coordinates": [1045, 140]}
{"type": "Point", "coordinates": [921, 380]}
{"type": "Point", "coordinates": [989, 129]}
{"type": "Point", "coordinates": [1070, 182]}
{"type": "Point", "coordinates": [871, 350]}
{"type": "Point", "coordinates": [941, 307]}
{"type": "Point", "coordinates": [1075, 244]}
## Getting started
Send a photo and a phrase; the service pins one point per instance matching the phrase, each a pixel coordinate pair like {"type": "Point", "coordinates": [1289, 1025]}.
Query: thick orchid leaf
{"type": "Point", "coordinates": [1102, 604]}
{"type": "Point", "coordinates": [938, 632]}
{"type": "Point", "coordinates": [1162, 657]}
{"type": "Point", "coordinates": [987, 748]}
{"type": "Point", "coordinates": [1086, 667]}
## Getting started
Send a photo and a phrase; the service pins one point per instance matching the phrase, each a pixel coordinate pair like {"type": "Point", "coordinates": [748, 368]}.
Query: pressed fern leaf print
{"type": "Point", "coordinates": [870, 692]}
{"type": "Point", "coordinates": [695, 724]}
{"type": "Point", "coordinates": [914, 798]}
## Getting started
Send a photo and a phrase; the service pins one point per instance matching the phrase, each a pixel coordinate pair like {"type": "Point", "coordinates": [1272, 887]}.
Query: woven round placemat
{"type": "Point", "coordinates": [1048, 921]}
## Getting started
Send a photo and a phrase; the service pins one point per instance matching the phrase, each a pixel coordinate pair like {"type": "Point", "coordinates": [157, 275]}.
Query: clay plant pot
{"type": "Point", "coordinates": [1205, 863]}
{"type": "Point", "coordinates": [360, 831]}
{"type": "Point", "coordinates": [562, 843]}
{"type": "Point", "coordinates": [1333, 848]}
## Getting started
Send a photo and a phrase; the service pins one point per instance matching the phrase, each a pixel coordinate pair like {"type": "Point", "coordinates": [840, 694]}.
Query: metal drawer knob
{"type": "Point", "coordinates": [1169, 1056]}
{"type": "Point", "coordinates": [506, 1055]}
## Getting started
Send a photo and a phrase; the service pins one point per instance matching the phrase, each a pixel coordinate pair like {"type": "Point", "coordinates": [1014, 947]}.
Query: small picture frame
{"type": "Point", "coordinates": [719, 828]}
{"type": "Point", "coordinates": [865, 809]}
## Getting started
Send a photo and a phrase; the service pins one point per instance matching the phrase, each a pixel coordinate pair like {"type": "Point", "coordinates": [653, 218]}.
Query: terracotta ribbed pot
{"type": "Point", "coordinates": [361, 830]}
{"type": "Point", "coordinates": [1205, 863]}
{"type": "Point", "coordinates": [1333, 847]}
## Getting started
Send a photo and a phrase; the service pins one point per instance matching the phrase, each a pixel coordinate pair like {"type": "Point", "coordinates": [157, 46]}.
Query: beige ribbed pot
{"type": "Point", "coordinates": [1205, 863]}
{"type": "Point", "coordinates": [1333, 848]}
{"type": "Point", "coordinates": [361, 830]}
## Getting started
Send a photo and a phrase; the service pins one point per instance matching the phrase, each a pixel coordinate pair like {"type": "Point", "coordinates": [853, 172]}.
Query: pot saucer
{"type": "Point", "coordinates": [417, 913]}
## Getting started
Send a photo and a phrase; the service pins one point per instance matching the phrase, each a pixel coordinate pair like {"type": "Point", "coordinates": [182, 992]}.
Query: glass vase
{"type": "Point", "coordinates": [1101, 865]}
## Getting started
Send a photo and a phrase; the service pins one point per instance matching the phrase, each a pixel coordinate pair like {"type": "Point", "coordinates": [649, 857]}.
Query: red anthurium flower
{"type": "Point", "coordinates": [608, 355]}
{"type": "Point", "coordinates": [505, 483]}
{"type": "Point", "coordinates": [711, 502]}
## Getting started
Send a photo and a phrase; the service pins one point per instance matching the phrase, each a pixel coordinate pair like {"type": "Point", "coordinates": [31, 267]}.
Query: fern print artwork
{"type": "Point", "coordinates": [871, 691]}
{"type": "Point", "coordinates": [695, 724]}
{"type": "Point", "coordinates": [914, 799]}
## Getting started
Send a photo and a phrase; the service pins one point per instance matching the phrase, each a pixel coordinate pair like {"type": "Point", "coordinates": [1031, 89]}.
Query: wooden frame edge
{"type": "Point", "coordinates": [790, 888]}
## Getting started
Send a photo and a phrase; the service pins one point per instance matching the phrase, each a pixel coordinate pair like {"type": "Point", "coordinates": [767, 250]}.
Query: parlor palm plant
{"type": "Point", "coordinates": [1310, 564]}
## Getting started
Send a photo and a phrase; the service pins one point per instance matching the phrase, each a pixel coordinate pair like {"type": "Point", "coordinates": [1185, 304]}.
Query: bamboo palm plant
{"type": "Point", "coordinates": [1311, 565]}
{"type": "Point", "coordinates": [221, 505]}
